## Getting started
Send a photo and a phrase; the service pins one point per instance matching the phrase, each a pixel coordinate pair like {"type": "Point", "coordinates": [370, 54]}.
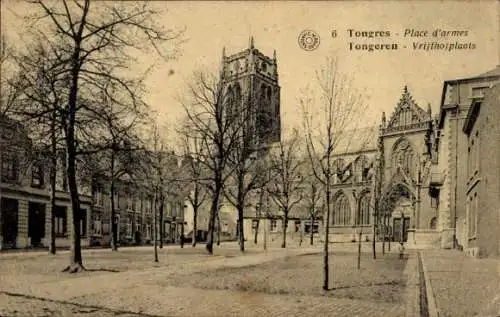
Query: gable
{"type": "Point", "coordinates": [407, 113]}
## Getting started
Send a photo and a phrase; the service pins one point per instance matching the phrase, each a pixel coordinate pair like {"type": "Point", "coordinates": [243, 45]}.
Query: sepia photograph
{"type": "Point", "coordinates": [249, 158]}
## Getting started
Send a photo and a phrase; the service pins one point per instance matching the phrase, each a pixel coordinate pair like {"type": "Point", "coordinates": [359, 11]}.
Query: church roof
{"type": "Point", "coordinates": [405, 103]}
{"type": "Point", "coordinates": [357, 140]}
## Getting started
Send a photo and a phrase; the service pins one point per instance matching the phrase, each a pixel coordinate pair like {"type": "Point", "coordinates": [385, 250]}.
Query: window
{"type": "Point", "coordinates": [433, 223]}
{"type": "Point", "coordinates": [9, 167]}
{"type": "Point", "coordinates": [472, 215]}
{"type": "Point", "coordinates": [137, 205]}
{"type": "Point", "coordinates": [315, 227]}
{"type": "Point", "coordinates": [469, 162]}
{"type": "Point", "coordinates": [361, 168]}
{"type": "Point", "coordinates": [97, 226]}
{"type": "Point", "coordinates": [255, 224]}
{"type": "Point", "coordinates": [116, 200]}
{"type": "Point", "coordinates": [478, 92]}
{"type": "Point", "coordinates": [471, 208]}
{"type": "Point", "coordinates": [403, 157]}
{"type": "Point", "coordinates": [129, 203]}
{"type": "Point", "coordinates": [37, 175]}
{"type": "Point", "coordinates": [274, 225]}
{"type": "Point", "coordinates": [98, 197]}
{"type": "Point", "coordinates": [129, 227]}
{"type": "Point", "coordinates": [83, 222]}
{"type": "Point", "coordinates": [339, 166]}
{"type": "Point", "coordinates": [297, 225]}
{"type": "Point", "coordinates": [477, 152]}
{"type": "Point", "coordinates": [60, 221]}
{"type": "Point", "coordinates": [363, 216]}
{"type": "Point", "coordinates": [342, 211]}
{"type": "Point", "coordinates": [148, 231]}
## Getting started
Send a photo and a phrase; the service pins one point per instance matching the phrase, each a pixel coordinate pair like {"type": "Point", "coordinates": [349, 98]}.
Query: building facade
{"type": "Point", "coordinates": [482, 207]}
{"type": "Point", "coordinates": [134, 203]}
{"type": "Point", "coordinates": [451, 177]}
{"type": "Point", "coordinates": [25, 210]}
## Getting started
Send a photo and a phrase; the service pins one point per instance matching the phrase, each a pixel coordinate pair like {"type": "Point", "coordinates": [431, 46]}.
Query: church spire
{"type": "Point", "coordinates": [251, 44]}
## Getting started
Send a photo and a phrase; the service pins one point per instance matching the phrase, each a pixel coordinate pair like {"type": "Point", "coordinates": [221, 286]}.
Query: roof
{"type": "Point", "coordinates": [495, 72]}
{"type": "Point", "coordinates": [357, 140]}
{"type": "Point", "coordinates": [475, 108]}
{"type": "Point", "coordinates": [492, 73]}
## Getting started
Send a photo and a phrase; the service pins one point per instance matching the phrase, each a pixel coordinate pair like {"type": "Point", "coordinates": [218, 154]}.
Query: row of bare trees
{"type": "Point", "coordinates": [73, 82]}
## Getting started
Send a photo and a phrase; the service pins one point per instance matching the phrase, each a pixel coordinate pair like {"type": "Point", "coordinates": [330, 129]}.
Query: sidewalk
{"type": "Point", "coordinates": [461, 286]}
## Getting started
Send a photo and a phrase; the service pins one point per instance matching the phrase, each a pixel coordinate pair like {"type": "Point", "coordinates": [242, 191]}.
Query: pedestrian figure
{"type": "Point", "coordinates": [401, 250]}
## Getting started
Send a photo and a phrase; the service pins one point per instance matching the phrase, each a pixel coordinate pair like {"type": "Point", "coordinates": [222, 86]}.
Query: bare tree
{"type": "Point", "coordinates": [206, 110]}
{"type": "Point", "coordinates": [312, 194]}
{"type": "Point", "coordinates": [94, 44]}
{"type": "Point", "coordinates": [340, 108]}
{"type": "Point", "coordinates": [42, 95]}
{"type": "Point", "coordinates": [285, 187]}
{"type": "Point", "coordinates": [246, 175]}
{"type": "Point", "coordinates": [194, 178]}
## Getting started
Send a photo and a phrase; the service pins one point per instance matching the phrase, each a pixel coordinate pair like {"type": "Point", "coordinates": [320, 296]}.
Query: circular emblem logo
{"type": "Point", "coordinates": [308, 40]}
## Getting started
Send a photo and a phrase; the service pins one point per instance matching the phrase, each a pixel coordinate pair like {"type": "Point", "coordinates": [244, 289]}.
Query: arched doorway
{"type": "Point", "coordinates": [398, 212]}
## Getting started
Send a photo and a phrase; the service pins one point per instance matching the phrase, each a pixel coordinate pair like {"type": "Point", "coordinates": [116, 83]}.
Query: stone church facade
{"type": "Point", "coordinates": [413, 169]}
{"type": "Point", "coordinates": [390, 170]}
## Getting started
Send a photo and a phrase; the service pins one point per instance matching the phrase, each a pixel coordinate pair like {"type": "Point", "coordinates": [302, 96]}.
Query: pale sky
{"type": "Point", "coordinates": [276, 26]}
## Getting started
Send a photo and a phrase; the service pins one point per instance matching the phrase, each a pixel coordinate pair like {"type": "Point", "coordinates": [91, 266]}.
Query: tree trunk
{"type": "Point", "coordinates": [327, 232]}
{"type": "Point", "coordinates": [53, 175]}
{"type": "Point", "coordinates": [182, 233]}
{"type": "Point", "coordinates": [256, 235]}
{"type": "Point", "coordinates": [374, 234]}
{"type": "Point", "coordinates": [114, 225]}
{"type": "Point", "coordinates": [241, 236]}
{"type": "Point", "coordinates": [76, 264]}
{"type": "Point", "coordinates": [390, 235]}
{"type": "Point", "coordinates": [312, 229]}
{"type": "Point", "coordinates": [213, 213]}
{"type": "Point", "coordinates": [155, 228]}
{"type": "Point", "coordinates": [285, 226]}
{"type": "Point", "coordinates": [359, 248]}
{"type": "Point", "coordinates": [195, 225]}
{"type": "Point", "coordinates": [384, 235]}
{"type": "Point", "coordinates": [161, 225]}
{"type": "Point", "coordinates": [218, 228]}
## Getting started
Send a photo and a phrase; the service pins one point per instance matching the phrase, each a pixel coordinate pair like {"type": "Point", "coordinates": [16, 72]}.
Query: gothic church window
{"type": "Point", "coordinates": [363, 216]}
{"type": "Point", "coordinates": [403, 157]}
{"type": "Point", "coordinates": [433, 223]}
{"type": "Point", "coordinates": [342, 210]}
{"type": "Point", "coordinates": [361, 169]}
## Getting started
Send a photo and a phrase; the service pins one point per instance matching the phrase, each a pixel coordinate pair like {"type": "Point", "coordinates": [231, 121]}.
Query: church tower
{"type": "Point", "coordinates": [250, 80]}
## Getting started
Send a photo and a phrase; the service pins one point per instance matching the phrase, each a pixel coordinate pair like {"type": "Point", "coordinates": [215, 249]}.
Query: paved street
{"type": "Point", "coordinates": [129, 283]}
{"type": "Point", "coordinates": [463, 286]}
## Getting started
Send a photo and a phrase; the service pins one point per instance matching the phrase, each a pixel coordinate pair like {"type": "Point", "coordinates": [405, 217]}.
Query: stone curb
{"type": "Point", "coordinates": [412, 292]}
{"type": "Point", "coordinates": [431, 300]}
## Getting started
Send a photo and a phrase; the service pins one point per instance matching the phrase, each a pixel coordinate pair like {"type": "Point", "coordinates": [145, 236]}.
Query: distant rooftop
{"type": "Point", "coordinates": [358, 140]}
{"type": "Point", "coordinates": [493, 72]}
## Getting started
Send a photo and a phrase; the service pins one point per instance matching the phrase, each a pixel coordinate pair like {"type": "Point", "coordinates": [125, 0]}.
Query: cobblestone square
{"type": "Point", "coordinates": [187, 282]}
